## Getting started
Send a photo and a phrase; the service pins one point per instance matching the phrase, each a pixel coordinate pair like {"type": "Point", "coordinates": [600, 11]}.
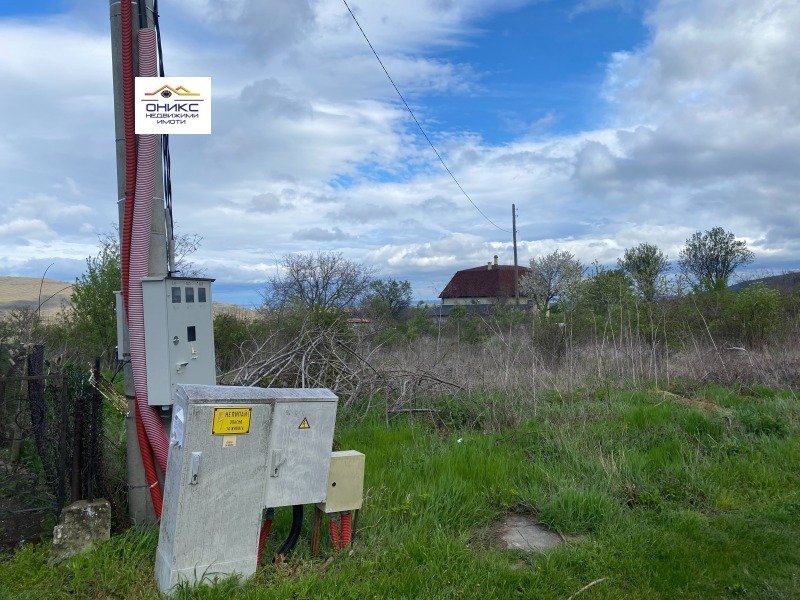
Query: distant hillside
{"type": "Point", "coordinates": [27, 291]}
{"type": "Point", "coordinates": [784, 282]}
{"type": "Point", "coordinates": [24, 291]}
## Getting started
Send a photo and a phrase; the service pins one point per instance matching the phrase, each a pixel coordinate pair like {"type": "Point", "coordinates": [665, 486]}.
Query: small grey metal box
{"type": "Point", "coordinates": [178, 333]}
{"type": "Point", "coordinates": [345, 482]}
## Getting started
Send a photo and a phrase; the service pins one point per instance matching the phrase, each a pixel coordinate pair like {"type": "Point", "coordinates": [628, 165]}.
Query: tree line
{"type": "Point", "coordinates": [325, 288]}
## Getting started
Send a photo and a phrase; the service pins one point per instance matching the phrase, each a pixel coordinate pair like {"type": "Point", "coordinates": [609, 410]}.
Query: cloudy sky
{"type": "Point", "coordinates": [607, 122]}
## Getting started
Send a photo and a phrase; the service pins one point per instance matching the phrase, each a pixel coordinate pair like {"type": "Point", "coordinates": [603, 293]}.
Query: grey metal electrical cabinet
{"type": "Point", "coordinates": [300, 433]}
{"type": "Point", "coordinates": [179, 335]}
{"type": "Point", "coordinates": [233, 452]}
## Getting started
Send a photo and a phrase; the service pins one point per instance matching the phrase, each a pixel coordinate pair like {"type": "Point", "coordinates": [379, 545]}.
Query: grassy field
{"type": "Point", "coordinates": [688, 493]}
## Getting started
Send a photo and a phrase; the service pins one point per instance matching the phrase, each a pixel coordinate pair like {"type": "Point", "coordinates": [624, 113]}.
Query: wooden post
{"type": "Point", "coordinates": [316, 533]}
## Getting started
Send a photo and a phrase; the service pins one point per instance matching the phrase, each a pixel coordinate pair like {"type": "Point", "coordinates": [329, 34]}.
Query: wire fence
{"type": "Point", "coordinates": [51, 444]}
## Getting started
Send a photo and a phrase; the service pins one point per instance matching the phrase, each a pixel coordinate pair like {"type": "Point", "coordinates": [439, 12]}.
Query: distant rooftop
{"type": "Point", "coordinates": [490, 281]}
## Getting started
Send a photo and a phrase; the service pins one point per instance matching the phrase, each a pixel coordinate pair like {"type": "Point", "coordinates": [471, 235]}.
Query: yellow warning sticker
{"type": "Point", "coordinates": [231, 420]}
{"type": "Point", "coordinates": [304, 424]}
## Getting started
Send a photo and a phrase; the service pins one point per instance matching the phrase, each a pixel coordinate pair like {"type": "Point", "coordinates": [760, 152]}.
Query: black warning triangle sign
{"type": "Point", "coordinates": [304, 424]}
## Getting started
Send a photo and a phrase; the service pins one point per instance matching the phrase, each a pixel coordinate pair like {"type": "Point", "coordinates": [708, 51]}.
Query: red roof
{"type": "Point", "coordinates": [483, 282]}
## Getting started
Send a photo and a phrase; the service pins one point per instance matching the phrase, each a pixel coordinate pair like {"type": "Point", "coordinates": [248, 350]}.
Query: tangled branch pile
{"type": "Point", "coordinates": [335, 356]}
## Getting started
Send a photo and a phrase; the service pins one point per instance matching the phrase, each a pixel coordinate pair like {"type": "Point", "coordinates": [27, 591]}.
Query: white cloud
{"type": "Point", "coordinates": [311, 147]}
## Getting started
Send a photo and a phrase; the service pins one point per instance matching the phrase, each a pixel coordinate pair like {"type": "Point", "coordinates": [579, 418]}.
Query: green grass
{"type": "Point", "coordinates": [671, 499]}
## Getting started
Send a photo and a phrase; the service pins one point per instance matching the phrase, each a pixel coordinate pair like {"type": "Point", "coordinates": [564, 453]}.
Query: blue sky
{"type": "Point", "coordinates": [607, 122]}
{"type": "Point", "coordinates": [539, 64]}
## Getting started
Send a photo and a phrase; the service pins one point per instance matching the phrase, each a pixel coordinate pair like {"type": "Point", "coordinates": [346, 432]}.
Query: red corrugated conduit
{"type": "Point", "coordinates": [333, 523]}
{"type": "Point", "coordinates": [346, 521]}
{"type": "Point", "coordinates": [149, 465]}
{"type": "Point", "coordinates": [126, 34]}
{"type": "Point", "coordinates": [340, 540]}
{"type": "Point", "coordinates": [139, 176]}
{"type": "Point", "coordinates": [262, 538]}
{"type": "Point", "coordinates": [140, 263]}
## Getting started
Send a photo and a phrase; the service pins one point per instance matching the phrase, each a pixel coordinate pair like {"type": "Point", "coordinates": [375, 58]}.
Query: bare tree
{"type": "Point", "coordinates": [321, 280]}
{"type": "Point", "coordinates": [551, 277]}
{"type": "Point", "coordinates": [187, 244]}
{"type": "Point", "coordinates": [709, 259]}
{"type": "Point", "coordinates": [644, 264]}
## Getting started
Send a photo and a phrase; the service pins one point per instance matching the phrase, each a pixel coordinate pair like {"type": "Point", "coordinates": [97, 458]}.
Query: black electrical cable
{"type": "Point", "coordinates": [294, 532]}
{"type": "Point", "coordinates": [142, 14]}
{"type": "Point", "coordinates": [165, 157]}
{"type": "Point", "coordinates": [413, 116]}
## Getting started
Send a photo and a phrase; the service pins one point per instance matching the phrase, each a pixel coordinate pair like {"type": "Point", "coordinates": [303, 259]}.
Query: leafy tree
{"type": "Point", "coordinates": [93, 314]}
{"type": "Point", "coordinates": [607, 288]}
{"type": "Point", "coordinates": [757, 311]}
{"type": "Point", "coordinates": [390, 295]}
{"type": "Point", "coordinates": [709, 259]}
{"type": "Point", "coordinates": [644, 264]}
{"type": "Point", "coordinates": [324, 281]}
{"type": "Point", "coordinates": [552, 276]}
{"type": "Point", "coordinates": [419, 322]}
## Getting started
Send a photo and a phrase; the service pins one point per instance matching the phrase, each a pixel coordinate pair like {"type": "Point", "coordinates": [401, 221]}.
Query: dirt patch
{"type": "Point", "coordinates": [521, 532]}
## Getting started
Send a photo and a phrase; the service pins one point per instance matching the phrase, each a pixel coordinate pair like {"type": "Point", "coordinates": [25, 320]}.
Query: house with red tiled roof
{"type": "Point", "coordinates": [483, 287]}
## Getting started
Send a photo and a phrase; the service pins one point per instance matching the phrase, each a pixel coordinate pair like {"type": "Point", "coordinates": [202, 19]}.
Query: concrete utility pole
{"type": "Point", "coordinates": [516, 266]}
{"type": "Point", "coordinates": [139, 502]}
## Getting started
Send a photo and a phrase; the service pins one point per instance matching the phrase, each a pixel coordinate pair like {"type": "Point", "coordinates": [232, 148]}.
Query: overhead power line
{"type": "Point", "coordinates": [413, 116]}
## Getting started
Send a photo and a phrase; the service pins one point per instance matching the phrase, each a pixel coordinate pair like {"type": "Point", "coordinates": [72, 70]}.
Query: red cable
{"type": "Point", "coordinates": [334, 527]}
{"type": "Point", "coordinates": [262, 538]}
{"type": "Point", "coordinates": [149, 464]}
{"type": "Point", "coordinates": [126, 33]}
{"type": "Point", "coordinates": [126, 38]}
{"type": "Point", "coordinates": [346, 529]}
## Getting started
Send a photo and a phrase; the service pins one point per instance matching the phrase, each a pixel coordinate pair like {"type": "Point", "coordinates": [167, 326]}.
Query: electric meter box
{"type": "Point", "coordinates": [233, 452]}
{"type": "Point", "coordinates": [178, 335]}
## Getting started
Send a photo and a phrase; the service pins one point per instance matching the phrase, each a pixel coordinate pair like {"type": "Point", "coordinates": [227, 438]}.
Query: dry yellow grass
{"type": "Point", "coordinates": [27, 291]}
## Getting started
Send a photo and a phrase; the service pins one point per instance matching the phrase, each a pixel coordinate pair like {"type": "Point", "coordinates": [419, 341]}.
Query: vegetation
{"type": "Point", "coordinates": [688, 492]}
{"type": "Point", "coordinates": [93, 318]}
{"type": "Point", "coordinates": [709, 259]}
{"type": "Point", "coordinates": [663, 429]}
{"type": "Point", "coordinates": [645, 265]}
{"type": "Point", "coordinates": [390, 297]}
{"type": "Point", "coordinates": [322, 281]}
{"type": "Point", "coordinates": [552, 276]}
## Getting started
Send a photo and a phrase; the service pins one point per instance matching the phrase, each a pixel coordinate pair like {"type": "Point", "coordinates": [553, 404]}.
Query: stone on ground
{"type": "Point", "coordinates": [520, 532]}
{"type": "Point", "coordinates": [80, 525]}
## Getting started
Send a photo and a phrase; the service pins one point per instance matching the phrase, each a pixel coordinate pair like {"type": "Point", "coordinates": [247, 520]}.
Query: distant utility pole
{"type": "Point", "coordinates": [516, 266]}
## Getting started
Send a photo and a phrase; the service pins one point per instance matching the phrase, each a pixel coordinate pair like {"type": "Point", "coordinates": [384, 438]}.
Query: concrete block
{"type": "Point", "coordinates": [80, 526]}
